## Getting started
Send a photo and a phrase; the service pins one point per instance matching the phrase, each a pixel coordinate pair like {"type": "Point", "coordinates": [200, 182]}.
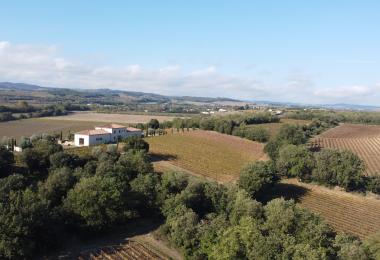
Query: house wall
{"type": "Point", "coordinates": [100, 139]}
{"type": "Point", "coordinates": [85, 137]}
{"type": "Point", "coordinates": [105, 138]}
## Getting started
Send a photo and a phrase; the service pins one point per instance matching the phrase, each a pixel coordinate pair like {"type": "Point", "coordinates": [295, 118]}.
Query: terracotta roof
{"type": "Point", "coordinates": [111, 126]}
{"type": "Point", "coordinates": [132, 129]}
{"type": "Point", "coordinates": [92, 132]}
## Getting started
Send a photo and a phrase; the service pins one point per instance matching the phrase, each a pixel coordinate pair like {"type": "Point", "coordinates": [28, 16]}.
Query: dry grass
{"type": "Point", "coordinates": [111, 118]}
{"type": "Point", "coordinates": [206, 153]}
{"type": "Point", "coordinates": [27, 127]}
{"type": "Point", "coordinates": [346, 212]}
{"type": "Point", "coordinates": [364, 140]}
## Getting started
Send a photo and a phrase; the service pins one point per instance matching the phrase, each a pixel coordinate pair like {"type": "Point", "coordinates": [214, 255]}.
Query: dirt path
{"type": "Point", "coordinates": [158, 245]}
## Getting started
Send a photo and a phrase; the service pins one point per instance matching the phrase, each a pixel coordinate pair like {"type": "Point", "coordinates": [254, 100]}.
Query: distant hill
{"type": "Point", "coordinates": [18, 86]}
{"type": "Point", "coordinates": [117, 95]}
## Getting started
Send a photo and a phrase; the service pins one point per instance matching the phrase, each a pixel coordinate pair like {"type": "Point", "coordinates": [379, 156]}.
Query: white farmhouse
{"type": "Point", "coordinates": [105, 134]}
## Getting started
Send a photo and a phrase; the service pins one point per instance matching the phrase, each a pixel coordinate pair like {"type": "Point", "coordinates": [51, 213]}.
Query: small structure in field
{"type": "Point", "coordinates": [105, 134]}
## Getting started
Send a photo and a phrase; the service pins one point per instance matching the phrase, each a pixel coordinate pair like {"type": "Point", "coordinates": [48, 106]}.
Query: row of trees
{"type": "Point", "coordinates": [292, 158]}
{"type": "Point", "coordinates": [337, 116]}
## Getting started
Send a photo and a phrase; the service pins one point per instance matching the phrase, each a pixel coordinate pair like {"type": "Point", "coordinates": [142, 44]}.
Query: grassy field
{"type": "Point", "coordinates": [206, 153]}
{"type": "Point", "coordinates": [364, 140]}
{"type": "Point", "coordinates": [111, 118]}
{"type": "Point", "coordinates": [27, 127]}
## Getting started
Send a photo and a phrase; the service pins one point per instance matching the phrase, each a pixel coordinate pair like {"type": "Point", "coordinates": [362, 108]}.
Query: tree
{"type": "Point", "coordinates": [242, 205]}
{"type": "Point", "coordinates": [295, 161]}
{"type": "Point", "coordinates": [372, 244]}
{"type": "Point", "coordinates": [259, 134]}
{"type": "Point", "coordinates": [291, 134]}
{"type": "Point", "coordinates": [257, 178]}
{"type": "Point", "coordinates": [56, 186]}
{"type": "Point", "coordinates": [97, 202]}
{"type": "Point", "coordinates": [23, 225]}
{"type": "Point", "coordinates": [145, 187]}
{"type": "Point", "coordinates": [181, 228]}
{"type": "Point", "coordinates": [334, 167]}
{"type": "Point", "coordinates": [350, 248]}
{"type": "Point", "coordinates": [135, 143]}
{"type": "Point", "coordinates": [288, 134]}
{"type": "Point", "coordinates": [62, 159]}
{"type": "Point", "coordinates": [6, 162]}
{"type": "Point", "coordinates": [154, 123]}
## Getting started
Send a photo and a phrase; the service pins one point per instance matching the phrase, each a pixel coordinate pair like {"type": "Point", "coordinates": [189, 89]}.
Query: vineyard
{"type": "Point", "coordinates": [132, 250]}
{"type": "Point", "coordinates": [344, 211]}
{"type": "Point", "coordinates": [206, 153]}
{"type": "Point", "coordinates": [361, 139]}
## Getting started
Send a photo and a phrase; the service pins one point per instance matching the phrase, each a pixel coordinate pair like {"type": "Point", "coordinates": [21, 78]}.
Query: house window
{"type": "Point", "coordinates": [114, 131]}
{"type": "Point", "coordinates": [81, 141]}
{"type": "Point", "coordinates": [99, 139]}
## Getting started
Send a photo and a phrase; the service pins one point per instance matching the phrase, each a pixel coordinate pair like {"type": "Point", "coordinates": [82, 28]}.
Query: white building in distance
{"type": "Point", "coordinates": [105, 134]}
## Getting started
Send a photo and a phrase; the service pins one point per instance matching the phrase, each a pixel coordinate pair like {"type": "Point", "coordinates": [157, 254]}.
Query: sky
{"type": "Point", "coordinates": [313, 52]}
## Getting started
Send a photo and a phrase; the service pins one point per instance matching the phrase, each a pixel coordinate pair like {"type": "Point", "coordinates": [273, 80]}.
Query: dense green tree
{"type": "Point", "coordinates": [350, 248]}
{"type": "Point", "coordinates": [97, 202]}
{"type": "Point", "coordinates": [135, 143]}
{"type": "Point", "coordinates": [295, 161]}
{"type": "Point", "coordinates": [23, 225]}
{"type": "Point", "coordinates": [257, 178]}
{"type": "Point", "coordinates": [6, 162]}
{"type": "Point", "coordinates": [145, 188]}
{"type": "Point", "coordinates": [172, 183]}
{"type": "Point", "coordinates": [12, 183]}
{"type": "Point", "coordinates": [56, 186]}
{"type": "Point", "coordinates": [154, 123]}
{"type": "Point", "coordinates": [241, 205]}
{"type": "Point", "coordinates": [372, 244]}
{"type": "Point", "coordinates": [62, 159]}
{"type": "Point", "coordinates": [288, 134]}
{"type": "Point", "coordinates": [334, 167]}
{"type": "Point", "coordinates": [181, 228]}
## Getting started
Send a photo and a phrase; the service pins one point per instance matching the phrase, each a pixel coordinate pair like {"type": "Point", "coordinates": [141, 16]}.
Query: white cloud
{"type": "Point", "coordinates": [45, 65]}
{"type": "Point", "coordinates": [343, 93]}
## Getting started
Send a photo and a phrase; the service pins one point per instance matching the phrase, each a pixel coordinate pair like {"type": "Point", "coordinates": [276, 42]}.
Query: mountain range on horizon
{"type": "Point", "coordinates": [160, 97]}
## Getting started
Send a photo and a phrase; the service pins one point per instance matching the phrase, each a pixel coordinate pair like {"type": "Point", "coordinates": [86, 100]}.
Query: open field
{"type": "Point", "coordinates": [206, 153]}
{"type": "Point", "coordinates": [346, 212]}
{"type": "Point", "coordinates": [273, 128]}
{"type": "Point", "coordinates": [110, 118]}
{"type": "Point", "coordinates": [27, 127]}
{"type": "Point", "coordinates": [364, 140]}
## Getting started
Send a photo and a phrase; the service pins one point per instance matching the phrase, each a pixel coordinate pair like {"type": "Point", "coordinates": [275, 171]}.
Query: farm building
{"type": "Point", "coordinates": [105, 134]}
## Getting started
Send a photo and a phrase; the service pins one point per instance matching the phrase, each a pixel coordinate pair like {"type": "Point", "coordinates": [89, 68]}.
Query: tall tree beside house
{"type": "Point", "coordinates": [154, 123]}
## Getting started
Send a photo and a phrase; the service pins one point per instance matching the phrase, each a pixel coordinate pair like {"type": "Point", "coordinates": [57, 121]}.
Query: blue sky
{"type": "Point", "coordinates": [292, 50]}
